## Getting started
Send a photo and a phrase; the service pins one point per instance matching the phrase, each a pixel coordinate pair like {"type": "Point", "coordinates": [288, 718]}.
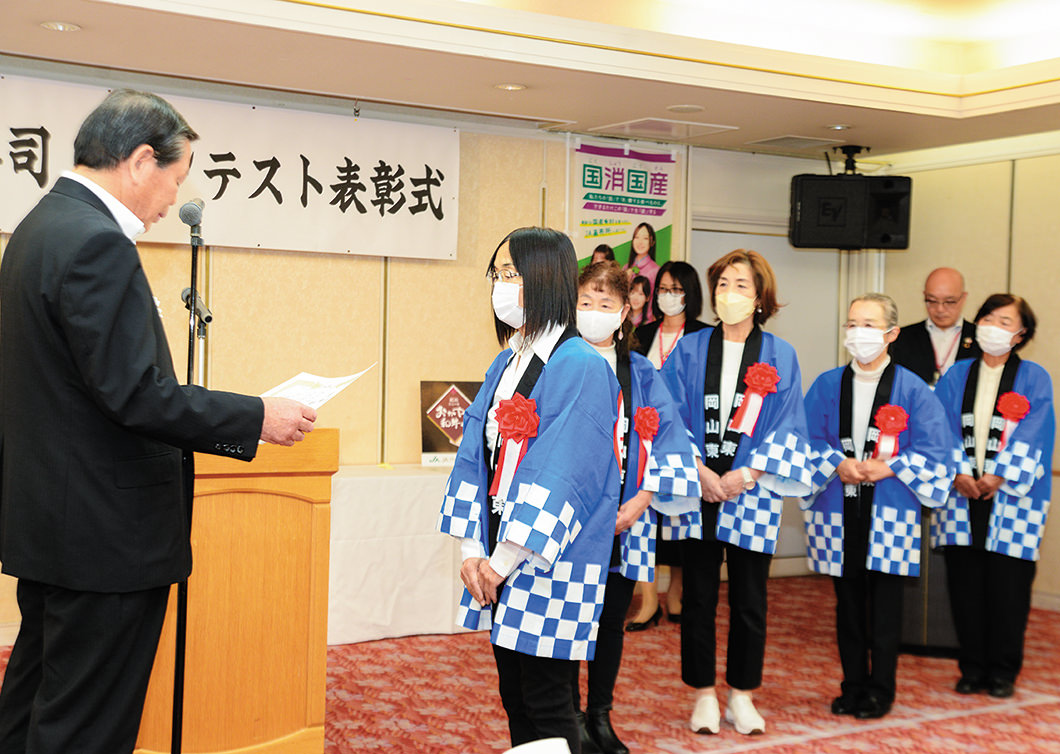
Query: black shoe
{"type": "Point", "coordinates": [603, 734]}
{"type": "Point", "coordinates": [673, 617]}
{"type": "Point", "coordinates": [588, 745]}
{"type": "Point", "coordinates": [871, 708]}
{"type": "Point", "coordinates": [1000, 689]}
{"type": "Point", "coordinates": [844, 705]}
{"type": "Point", "coordinates": [969, 686]}
{"type": "Point", "coordinates": [652, 621]}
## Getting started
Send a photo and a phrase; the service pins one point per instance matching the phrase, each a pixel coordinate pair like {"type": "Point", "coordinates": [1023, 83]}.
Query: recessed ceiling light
{"type": "Point", "coordinates": [60, 26]}
{"type": "Point", "coordinates": [839, 127]}
{"type": "Point", "coordinates": [685, 108]}
{"type": "Point", "coordinates": [510, 87]}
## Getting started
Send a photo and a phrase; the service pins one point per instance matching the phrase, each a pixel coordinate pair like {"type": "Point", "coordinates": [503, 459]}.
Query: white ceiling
{"type": "Point", "coordinates": [904, 74]}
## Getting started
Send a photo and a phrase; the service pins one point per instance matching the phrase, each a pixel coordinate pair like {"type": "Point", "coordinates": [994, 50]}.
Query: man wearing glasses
{"type": "Point", "coordinates": [930, 347]}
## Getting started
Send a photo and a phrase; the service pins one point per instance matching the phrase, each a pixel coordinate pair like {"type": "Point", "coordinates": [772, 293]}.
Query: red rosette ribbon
{"type": "Point", "coordinates": [1013, 407]}
{"type": "Point", "coordinates": [646, 424]}
{"type": "Point", "coordinates": [517, 422]}
{"type": "Point", "coordinates": [760, 380]}
{"type": "Point", "coordinates": [891, 421]}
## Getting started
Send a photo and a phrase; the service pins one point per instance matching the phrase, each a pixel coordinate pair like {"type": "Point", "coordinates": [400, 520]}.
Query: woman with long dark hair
{"type": "Point", "coordinates": [642, 254]}
{"type": "Point", "coordinates": [532, 487]}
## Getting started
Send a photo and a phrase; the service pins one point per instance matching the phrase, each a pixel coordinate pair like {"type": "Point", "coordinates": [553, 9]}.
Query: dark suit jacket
{"type": "Point", "coordinates": [93, 422]}
{"type": "Point", "coordinates": [645, 334]}
{"type": "Point", "coordinates": [913, 350]}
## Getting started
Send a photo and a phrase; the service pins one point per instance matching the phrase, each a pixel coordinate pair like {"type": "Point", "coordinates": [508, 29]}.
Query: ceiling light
{"type": "Point", "coordinates": [60, 26]}
{"type": "Point", "coordinates": [685, 108]}
{"type": "Point", "coordinates": [510, 87]}
{"type": "Point", "coordinates": [839, 127]}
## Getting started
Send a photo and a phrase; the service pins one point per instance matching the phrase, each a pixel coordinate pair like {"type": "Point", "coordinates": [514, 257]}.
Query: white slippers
{"type": "Point", "coordinates": [742, 714]}
{"type": "Point", "coordinates": [706, 717]}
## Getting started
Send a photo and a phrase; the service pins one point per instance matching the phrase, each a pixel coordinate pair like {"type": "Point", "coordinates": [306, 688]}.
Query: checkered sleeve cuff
{"type": "Point", "coordinates": [823, 463]}
{"type": "Point", "coordinates": [929, 480]}
{"type": "Point", "coordinates": [1019, 466]}
{"type": "Point", "coordinates": [461, 512]}
{"type": "Point", "coordinates": [786, 463]}
{"type": "Point", "coordinates": [540, 521]}
{"type": "Point", "coordinates": [961, 463]}
{"type": "Point", "coordinates": [673, 474]}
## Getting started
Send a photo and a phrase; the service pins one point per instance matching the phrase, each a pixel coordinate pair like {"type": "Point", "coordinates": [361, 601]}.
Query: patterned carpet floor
{"type": "Point", "coordinates": [427, 694]}
{"type": "Point", "coordinates": [438, 694]}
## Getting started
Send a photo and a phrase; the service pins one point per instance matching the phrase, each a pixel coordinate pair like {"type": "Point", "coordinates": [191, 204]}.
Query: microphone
{"type": "Point", "coordinates": [201, 311]}
{"type": "Point", "coordinates": [191, 212]}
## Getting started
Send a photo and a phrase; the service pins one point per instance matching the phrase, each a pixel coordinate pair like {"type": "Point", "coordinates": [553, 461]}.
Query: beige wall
{"type": "Point", "coordinates": [990, 221]}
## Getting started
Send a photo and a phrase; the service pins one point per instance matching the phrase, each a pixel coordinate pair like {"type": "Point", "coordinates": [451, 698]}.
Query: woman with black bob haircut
{"type": "Point", "coordinates": [677, 302]}
{"type": "Point", "coordinates": [532, 489]}
{"type": "Point", "coordinates": [1000, 412]}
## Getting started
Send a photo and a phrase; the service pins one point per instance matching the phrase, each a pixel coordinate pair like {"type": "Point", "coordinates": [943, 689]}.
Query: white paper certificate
{"type": "Point", "coordinates": [311, 389]}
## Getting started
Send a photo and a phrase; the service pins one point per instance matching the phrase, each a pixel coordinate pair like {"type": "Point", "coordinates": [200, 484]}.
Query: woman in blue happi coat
{"type": "Point", "coordinates": [532, 489]}
{"type": "Point", "coordinates": [881, 451]}
{"type": "Point", "coordinates": [1000, 410]}
{"type": "Point", "coordinates": [659, 476]}
{"type": "Point", "coordinates": [739, 392]}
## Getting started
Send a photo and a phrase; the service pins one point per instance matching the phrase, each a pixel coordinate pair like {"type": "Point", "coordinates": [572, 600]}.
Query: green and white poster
{"type": "Point", "coordinates": [618, 191]}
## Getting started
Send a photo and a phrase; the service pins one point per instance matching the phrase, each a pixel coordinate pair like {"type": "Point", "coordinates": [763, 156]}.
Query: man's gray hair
{"type": "Point", "coordinates": [125, 120]}
{"type": "Point", "coordinates": [890, 309]}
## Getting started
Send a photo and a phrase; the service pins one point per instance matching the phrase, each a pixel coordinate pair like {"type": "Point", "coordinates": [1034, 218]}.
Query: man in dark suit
{"type": "Point", "coordinates": [930, 347]}
{"type": "Point", "coordinates": [97, 435]}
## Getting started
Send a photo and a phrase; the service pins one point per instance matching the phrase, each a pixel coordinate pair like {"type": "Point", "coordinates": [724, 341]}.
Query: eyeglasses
{"type": "Point", "coordinates": [506, 275]}
{"type": "Point", "coordinates": [675, 290]}
{"type": "Point", "coordinates": [946, 303]}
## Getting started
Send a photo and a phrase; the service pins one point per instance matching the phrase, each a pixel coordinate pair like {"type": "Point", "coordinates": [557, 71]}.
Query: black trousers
{"type": "Point", "coordinates": [990, 597]}
{"type": "Point", "coordinates": [748, 573]}
{"type": "Point", "coordinates": [535, 692]}
{"type": "Point", "coordinates": [868, 630]}
{"type": "Point", "coordinates": [603, 668]}
{"type": "Point", "coordinates": [78, 672]}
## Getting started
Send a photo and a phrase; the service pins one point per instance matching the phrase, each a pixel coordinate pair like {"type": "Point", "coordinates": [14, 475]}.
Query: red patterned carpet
{"type": "Point", "coordinates": [429, 694]}
{"type": "Point", "coordinates": [437, 694]}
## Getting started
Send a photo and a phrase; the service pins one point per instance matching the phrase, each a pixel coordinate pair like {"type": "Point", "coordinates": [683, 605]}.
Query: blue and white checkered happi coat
{"type": "Point", "coordinates": [561, 506]}
{"type": "Point", "coordinates": [671, 471]}
{"type": "Point", "coordinates": [1017, 519]}
{"type": "Point", "coordinates": [778, 447]}
{"type": "Point", "coordinates": [923, 476]}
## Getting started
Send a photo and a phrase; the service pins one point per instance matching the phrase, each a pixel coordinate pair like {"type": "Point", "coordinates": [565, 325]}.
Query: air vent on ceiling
{"type": "Point", "coordinates": [661, 129]}
{"type": "Point", "coordinates": [794, 143]}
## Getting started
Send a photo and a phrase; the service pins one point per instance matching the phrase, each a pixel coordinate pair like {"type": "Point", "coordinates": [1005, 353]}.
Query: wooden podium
{"type": "Point", "coordinates": [257, 607]}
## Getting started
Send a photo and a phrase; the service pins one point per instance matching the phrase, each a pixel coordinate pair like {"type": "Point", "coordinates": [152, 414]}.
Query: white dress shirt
{"type": "Point", "coordinates": [945, 343]}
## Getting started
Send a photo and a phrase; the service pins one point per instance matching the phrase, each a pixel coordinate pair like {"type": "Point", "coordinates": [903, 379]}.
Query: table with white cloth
{"type": "Point", "coordinates": [391, 572]}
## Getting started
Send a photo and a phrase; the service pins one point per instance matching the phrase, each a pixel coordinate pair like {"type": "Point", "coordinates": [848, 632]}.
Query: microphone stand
{"type": "Point", "coordinates": [195, 326]}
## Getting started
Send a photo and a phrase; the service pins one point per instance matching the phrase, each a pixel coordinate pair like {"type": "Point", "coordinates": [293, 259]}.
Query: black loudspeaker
{"type": "Point", "coordinates": [849, 212]}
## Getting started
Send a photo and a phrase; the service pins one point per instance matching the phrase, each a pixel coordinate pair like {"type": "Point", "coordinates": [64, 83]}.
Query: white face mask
{"type": "Point", "coordinates": [733, 308]}
{"type": "Point", "coordinates": [993, 340]}
{"type": "Point", "coordinates": [506, 304]}
{"type": "Point", "coordinates": [865, 343]}
{"type": "Point", "coordinates": [596, 327]}
{"type": "Point", "coordinates": [671, 304]}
